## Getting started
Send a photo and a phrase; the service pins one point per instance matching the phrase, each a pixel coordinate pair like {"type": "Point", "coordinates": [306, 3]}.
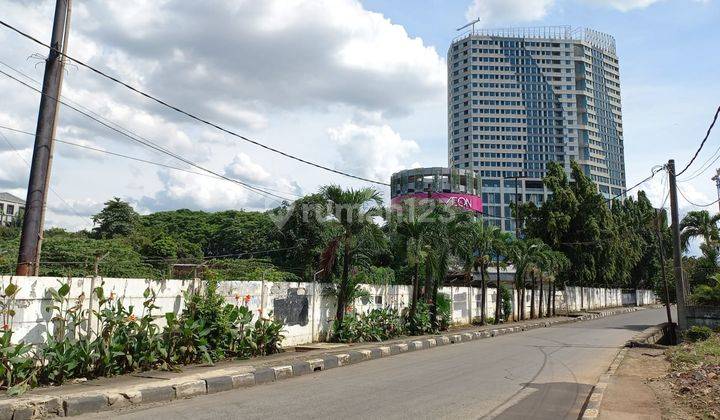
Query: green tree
{"type": "Point", "coordinates": [118, 218]}
{"type": "Point", "coordinates": [500, 246]}
{"type": "Point", "coordinates": [475, 252]}
{"type": "Point", "coordinates": [353, 211]}
{"type": "Point", "coordinates": [302, 230]}
{"type": "Point", "coordinates": [414, 230]}
{"type": "Point", "coordinates": [699, 224]}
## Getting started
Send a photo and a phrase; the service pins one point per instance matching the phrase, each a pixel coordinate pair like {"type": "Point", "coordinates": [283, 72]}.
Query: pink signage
{"type": "Point", "coordinates": [466, 201]}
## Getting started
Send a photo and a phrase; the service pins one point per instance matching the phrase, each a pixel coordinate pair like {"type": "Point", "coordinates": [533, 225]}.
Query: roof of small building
{"type": "Point", "coordinates": [9, 198]}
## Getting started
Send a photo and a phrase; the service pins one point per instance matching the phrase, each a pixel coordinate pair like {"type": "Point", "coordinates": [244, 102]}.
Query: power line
{"type": "Point", "coordinates": [135, 158]}
{"type": "Point", "coordinates": [150, 144]}
{"type": "Point", "coordinates": [118, 126]}
{"type": "Point", "coordinates": [189, 114]}
{"type": "Point", "coordinates": [707, 134]}
{"type": "Point", "coordinates": [695, 204]}
{"type": "Point", "coordinates": [17, 152]}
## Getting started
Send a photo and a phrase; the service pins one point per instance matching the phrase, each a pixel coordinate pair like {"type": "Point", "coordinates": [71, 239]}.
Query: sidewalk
{"type": "Point", "coordinates": [158, 386]}
{"type": "Point", "coordinates": [627, 395]}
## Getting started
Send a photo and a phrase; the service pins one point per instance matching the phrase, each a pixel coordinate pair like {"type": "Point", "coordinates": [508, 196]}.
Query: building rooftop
{"type": "Point", "coordinates": [9, 198]}
{"type": "Point", "coordinates": [595, 38]}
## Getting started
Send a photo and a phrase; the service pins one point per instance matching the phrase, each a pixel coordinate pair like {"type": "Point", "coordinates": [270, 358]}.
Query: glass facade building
{"type": "Point", "coordinates": [523, 97]}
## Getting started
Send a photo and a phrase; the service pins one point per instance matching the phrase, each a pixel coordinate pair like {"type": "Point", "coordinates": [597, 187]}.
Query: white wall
{"type": "Point", "coordinates": [306, 310]}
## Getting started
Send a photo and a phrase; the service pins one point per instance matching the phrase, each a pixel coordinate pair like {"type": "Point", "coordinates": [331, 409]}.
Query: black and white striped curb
{"type": "Point", "coordinates": [219, 380]}
{"type": "Point", "coordinates": [592, 407]}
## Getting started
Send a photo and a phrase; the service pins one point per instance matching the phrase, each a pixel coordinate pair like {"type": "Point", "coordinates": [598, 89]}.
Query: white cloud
{"type": "Point", "coordinates": [185, 190]}
{"type": "Point", "coordinates": [627, 5]}
{"type": "Point", "coordinates": [624, 5]}
{"type": "Point", "coordinates": [374, 151]}
{"type": "Point", "coordinates": [500, 12]}
{"type": "Point", "coordinates": [243, 168]}
{"type": "Point", "coordinates": [14, 170]}
{"type": "Point", "coordinates": [84, 208]}
{"type": "Point", "coordinates": [288, 54]}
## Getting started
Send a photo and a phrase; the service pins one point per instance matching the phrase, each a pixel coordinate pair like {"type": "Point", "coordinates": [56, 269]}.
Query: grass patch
{"type": "Point", "coordinates": [693, 355]}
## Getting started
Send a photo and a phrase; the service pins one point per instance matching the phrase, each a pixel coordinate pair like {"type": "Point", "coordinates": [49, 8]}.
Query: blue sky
{"type": "Point", "coordinates": [357, 85]}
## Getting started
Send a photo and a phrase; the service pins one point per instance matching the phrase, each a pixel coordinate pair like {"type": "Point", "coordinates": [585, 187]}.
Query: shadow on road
{"type": "Point", "coordinates": [548, 401]}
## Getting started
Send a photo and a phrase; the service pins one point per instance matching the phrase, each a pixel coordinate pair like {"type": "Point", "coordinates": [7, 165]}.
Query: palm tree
{"type": "Point", "coordinates": [550, 263]}
{"type": "Point", "coordinates": [476, 254]}
{"type": "Point", "coordinates": [353, 210]}
{"type": "Point", "coordinates": [699, 223]}
{"type": "Point", "coordinates": [414, 232]}
{"type": "Point", "coordinates": [500, 245]}
{"type": "Point", "coordinates": [524, 256]}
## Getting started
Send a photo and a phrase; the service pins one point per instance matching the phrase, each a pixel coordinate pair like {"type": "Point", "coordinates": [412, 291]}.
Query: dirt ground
{"type": "Point", "coordinates": [646, 387]}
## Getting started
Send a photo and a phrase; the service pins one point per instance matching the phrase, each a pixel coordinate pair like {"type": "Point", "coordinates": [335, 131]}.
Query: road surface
{"type": "Point", "coordinates": [543, 373]}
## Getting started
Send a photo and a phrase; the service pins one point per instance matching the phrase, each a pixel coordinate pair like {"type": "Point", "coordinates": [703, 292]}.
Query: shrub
{"type": "Point", "coordinates": [697, 333]}
{"type": "Point", "coordinates": [207, 330]}
{"type": "Point", "coordinates": [444, 311]}
{"type": "Point", "coordinates": [706, 295]}
{"type": "Point", "coordinates": [419, 323]}
{"type": "Point", "coordinates": [376, 325]}
{"type": "Point", "coordinates": [506, 297]}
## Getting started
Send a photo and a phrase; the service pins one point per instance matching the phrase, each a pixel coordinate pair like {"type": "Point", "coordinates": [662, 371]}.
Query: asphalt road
{"type": "Point", "coordinates": [544, 374]}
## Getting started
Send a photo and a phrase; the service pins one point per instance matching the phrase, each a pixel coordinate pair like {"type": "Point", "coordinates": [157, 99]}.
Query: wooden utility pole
{"type": "Point", "coordinates": [39, 183]}
{"type": "Point", "coordinates": [680, 286]}
{"type": "Point", "coordinates": [661, 253]}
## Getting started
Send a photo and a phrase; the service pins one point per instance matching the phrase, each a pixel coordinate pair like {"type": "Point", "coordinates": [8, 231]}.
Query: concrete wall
{"type": "Point", "coordinates": [306, 308]}
{"type": "Point", "coordinates": [703, 316]}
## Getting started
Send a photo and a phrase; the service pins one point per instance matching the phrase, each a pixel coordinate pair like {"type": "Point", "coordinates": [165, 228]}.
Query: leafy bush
{"type": "Point", "coordinates": [376, 325]}
{"type": "Point", "coordinates": [207, 330]}
{"type": "Point", "coordinates": [706, 295]}
{"type": "Point", "coordinates": [444, 311]}
{"type": "Point", "coordinates": [506, 297]}
{"type": "Point", "coordinates": [697, 333]}
{"type": "Point", "coordinates": [419, 323]}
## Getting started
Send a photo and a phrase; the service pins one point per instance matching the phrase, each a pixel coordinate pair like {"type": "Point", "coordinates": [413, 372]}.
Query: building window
{"type": "Point", "coordinates": [10, 209]}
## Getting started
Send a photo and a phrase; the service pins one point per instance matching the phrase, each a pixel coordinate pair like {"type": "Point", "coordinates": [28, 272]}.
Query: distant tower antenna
{"type": "Point", "coordinates": [469, 24]}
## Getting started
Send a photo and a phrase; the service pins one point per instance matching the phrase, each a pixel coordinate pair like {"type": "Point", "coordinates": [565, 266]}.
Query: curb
{"type": "Point", "coordinates": [647, 338]}
{"type": "Point", "coordinates": [592, 407]}
{"type": "Point", "coordinates": [38, 406]}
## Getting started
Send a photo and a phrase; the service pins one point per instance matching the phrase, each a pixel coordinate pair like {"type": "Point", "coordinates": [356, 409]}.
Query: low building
{"type": "Point", "coordinates": [11, 207]}
{"type": "Point", "coordinates": [457, 187]}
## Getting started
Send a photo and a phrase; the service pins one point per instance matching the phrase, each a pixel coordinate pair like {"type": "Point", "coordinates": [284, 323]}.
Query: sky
{"type": "Point", "coordinates": [358, 86]}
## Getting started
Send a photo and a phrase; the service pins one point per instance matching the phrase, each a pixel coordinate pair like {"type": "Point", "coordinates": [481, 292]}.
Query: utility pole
{"type": "Point", "coordinates": [517, 179]}
{"type": "Point", "coordinates": [661, 252]}
{"type": "Point", "coordinates": [680, 287]}
{"type": "Point", "coordinates": [39, 183]}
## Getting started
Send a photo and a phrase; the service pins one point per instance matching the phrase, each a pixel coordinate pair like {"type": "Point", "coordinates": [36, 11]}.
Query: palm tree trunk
{"type": "Point", "coordinates": [522, 300]}
{"type": "Point", "coordinates": [482, 298]}
{"type": "Point", "coordinates": [516, 286]}
{"type": "Point", "coordinates": [540, 301]}
{"type": "Point", "coordinates": [550, 294]}
{"type": "Point", "coordinates": [415, 291]}
{"type": "Point", "coordinates": [433, 305]}
{"type": "Point", "coordinates": [532, 297]}
{"type": "Point", "coordinates": [498, 296]}
{"type": "Point", "coordinates": [427, 293]}
{"type": "Point", "coordinates": [344, 282]}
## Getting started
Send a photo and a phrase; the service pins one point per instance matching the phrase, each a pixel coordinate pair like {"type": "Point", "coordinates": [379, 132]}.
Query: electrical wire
{"type": "Point", "coordinates": [55, 193]}
{"type": "Point", "coordinates": [707, 134]}
{"type": "Point", "coordinates": [118, 126]}
{"type": "Point", "coordinates": [187, 113]}
{"type": "Point", "coordinates": [695, 204]}
{"type": "Point", "coordinates": [150, 144]}
{"type": "Point", "coordinates": [134, 158]}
